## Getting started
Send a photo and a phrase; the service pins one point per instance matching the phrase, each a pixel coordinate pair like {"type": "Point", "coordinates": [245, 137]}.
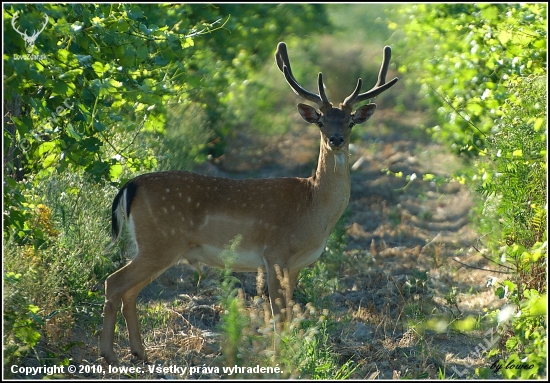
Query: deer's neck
{"type": "Point", "coordinates": [332, 180]}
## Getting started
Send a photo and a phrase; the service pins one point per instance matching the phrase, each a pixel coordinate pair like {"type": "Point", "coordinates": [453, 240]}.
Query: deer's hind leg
{"type": "Point", "coordinates": [123, 287]}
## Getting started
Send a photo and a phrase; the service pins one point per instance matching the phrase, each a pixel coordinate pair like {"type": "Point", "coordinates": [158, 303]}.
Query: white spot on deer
{"type": "Point", "coordinates": [189, 199]}
{"type": "Point", "coordinates": [180, 195]}
{"type": "Point", "coordinates": [165, 210]}
{"type": "Point", "coordinates": [206, 219]}
{"type": "Point", "coordinates": [167, 190]}
{"type": "Point", "coordinates": [173, 232]}
{"type": "Point", "coordinates": [198, 204]}
{"type": "Point", "coordinates": [173, 207]}
{"type": "Point", "coordinates": [131, 226]}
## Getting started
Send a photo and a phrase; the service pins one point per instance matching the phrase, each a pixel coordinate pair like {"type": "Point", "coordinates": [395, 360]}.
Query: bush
{"type": "Point", "coordinates": [483, 67]}
{"type": "Point", "coordinates": [54, 272]}
{"type": "Point", "coordinates": [516, 172]}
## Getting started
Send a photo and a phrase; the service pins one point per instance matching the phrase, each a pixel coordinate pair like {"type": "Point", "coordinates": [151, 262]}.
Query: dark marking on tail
{"type": "Point", "coordinates": [131, 188]}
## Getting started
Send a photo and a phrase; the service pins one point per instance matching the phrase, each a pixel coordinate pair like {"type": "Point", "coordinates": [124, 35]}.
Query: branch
{"type": "Point", "coordinates": [480, 268]}
{"type": "Point", "coordinates": [456, 111]}
{"type": "Point", "coordinates": [490, 260]}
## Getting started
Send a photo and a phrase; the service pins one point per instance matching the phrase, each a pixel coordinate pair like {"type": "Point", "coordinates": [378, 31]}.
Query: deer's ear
{"type": "Point", "coordinates": [363, 113]}
{"type": "Point", "coordinates": [308, 113]}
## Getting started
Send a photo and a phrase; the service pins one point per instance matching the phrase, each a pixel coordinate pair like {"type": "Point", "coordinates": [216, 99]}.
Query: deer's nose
{"type": "Point", "coordinates": [336, 139]}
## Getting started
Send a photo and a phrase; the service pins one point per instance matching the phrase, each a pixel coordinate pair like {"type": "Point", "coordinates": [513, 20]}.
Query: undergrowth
{"type": "Point", "coordinates": [514, 182]}
{"type": "Point", "coordinates": [54, 271]}
{"type": "Point", "coordinates": [301, 349]}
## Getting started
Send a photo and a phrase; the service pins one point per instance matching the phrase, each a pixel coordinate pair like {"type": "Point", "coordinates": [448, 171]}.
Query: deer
{"type": "Point", "coordinates": [283, 224]}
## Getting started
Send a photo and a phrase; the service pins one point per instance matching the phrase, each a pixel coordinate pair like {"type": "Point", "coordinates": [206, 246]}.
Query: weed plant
{"type": "Point", "coordinates": [299, 349]}
{"type": "Point", "coordinates": [54, 269]}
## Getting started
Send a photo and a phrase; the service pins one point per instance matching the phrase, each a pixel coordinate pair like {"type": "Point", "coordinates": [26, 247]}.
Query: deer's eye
{"type": "Point", "coordinates": [320, 124]}
{"type": "Point", "coordinates": [351, 124]}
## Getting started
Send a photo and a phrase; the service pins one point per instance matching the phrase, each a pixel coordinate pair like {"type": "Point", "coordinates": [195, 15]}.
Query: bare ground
{"type": "Point", "coordinates": [403, 241]}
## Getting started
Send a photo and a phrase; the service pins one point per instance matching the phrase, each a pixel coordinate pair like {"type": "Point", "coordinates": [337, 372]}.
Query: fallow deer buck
{"type": "Point", "coordinates": [282, 222]}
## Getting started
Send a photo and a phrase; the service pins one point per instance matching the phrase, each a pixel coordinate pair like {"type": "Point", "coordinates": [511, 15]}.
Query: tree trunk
{"type": "Point", "coordinates": [12, 155]}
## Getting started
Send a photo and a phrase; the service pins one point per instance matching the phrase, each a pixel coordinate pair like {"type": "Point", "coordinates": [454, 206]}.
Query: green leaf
{"type": "Point", "coordinates": [538, 124]}
{"type": "Point", "coordinates": [142, 53]}
{"type": "Point", "coordinates": [512, 343]}
{"type": "Point", "coordinates": [71, 74]}
{"type": "Point", "coordinates": [187, 42]}
{"type": "Point", "coordinates": [45, 148]}
{"type": "Point", "coordinates": [98, 126]}
{"type": "Point", "coordinates": [504, 36]}
{"type": "Point", "coordinates": [465, 325]}
{"type": "Point", "coordinates": [539, 306]}
{"type": "Point", "coordinates": [49, 161]}
{"type": "Point", "coordinates": [122, 26]}
{"type": "Point", "coordinates": [135, 12]}
{"type": "Point", "coordinates": [98, 68]}
{"type": "Point", "coordinates": [115, 171]}
{"type": "Point", "coordinates": [510, 285]}
{"type": "Point", "coordinates": [60, 88]}
{"type": "Point", "coordinates": [91, 144]}
{"type": "Point", "coordinates": [71, 132]}
{"type": "Point", "coordinates": [23, 125]}
{"type": "Point", "coordinates": [33, 309]}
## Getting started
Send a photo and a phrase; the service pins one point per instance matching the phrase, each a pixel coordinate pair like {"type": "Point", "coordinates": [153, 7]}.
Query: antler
{"type": "Point", "coordinates": [36, 33]}
{"type": "Point", "coordinates": [283, 62]}
{"type": "Point", "coordinates": [380, 86]}
{"type": "Point", "coordinates": [15, 17]}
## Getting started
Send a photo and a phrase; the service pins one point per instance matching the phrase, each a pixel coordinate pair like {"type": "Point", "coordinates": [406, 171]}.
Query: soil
{"type": "Point", "coordinates": [407, 245]}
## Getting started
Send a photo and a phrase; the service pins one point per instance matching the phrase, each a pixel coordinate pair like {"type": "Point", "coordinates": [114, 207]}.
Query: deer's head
{"type": "Point", "coordinates": [335, 123]}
